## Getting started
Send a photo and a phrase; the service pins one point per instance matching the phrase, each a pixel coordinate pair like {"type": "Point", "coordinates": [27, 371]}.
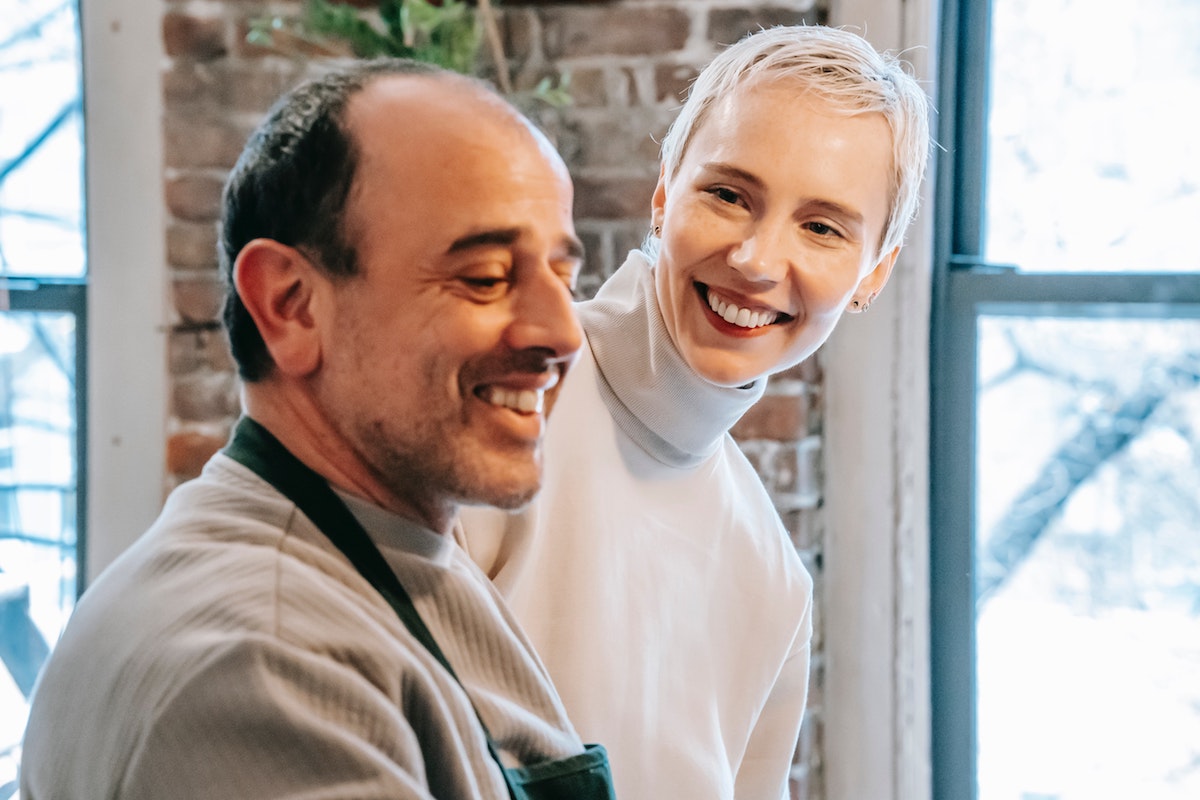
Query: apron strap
{"type": "Point", "coordinates": [257, 449]}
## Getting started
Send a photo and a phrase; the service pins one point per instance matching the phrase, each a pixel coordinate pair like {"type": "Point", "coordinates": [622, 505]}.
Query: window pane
{"type": "Point", "coordinates": [41, 144]}
{"type": "Point", "coordinates": [37, 506]}
{"type": "Point", "coordinates": [1088, 559]}
{"type": "Point", "coordinates": [1093, 155]}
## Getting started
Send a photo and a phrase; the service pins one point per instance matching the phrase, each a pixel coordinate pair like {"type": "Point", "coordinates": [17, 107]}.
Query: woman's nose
{"type": "Point", "coordinates": [760, 257]}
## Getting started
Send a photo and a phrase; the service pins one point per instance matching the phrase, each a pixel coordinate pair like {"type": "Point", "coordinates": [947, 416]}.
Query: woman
{"type": "Point", "coordinates": [653, 573]}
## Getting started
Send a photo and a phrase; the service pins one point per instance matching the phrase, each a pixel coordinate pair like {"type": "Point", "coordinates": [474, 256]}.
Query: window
{"type": "Point", "coordinates": [42, 322]}
{"type": "Point", "coordinates": [1065, 458]}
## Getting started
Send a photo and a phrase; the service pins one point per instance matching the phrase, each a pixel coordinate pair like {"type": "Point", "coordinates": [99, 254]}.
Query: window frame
{"type": "Point", "coordinates": [128, 278]}
{"type": "Point", "coordinates": [966, 287]}
{"type": "Point", "coordinates": [66, 295]}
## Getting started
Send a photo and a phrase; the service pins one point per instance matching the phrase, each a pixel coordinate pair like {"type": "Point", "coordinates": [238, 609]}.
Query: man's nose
{"type": "Point", "coordinates": [544, 316]}
{"type": "Point", "coordinates": [762, 255]}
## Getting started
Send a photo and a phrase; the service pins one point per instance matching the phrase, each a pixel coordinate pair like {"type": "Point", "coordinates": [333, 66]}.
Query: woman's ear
{"type": "Point", "coordinates": [658, 200]}
{"type": "Point", "coordinates": [874, 281]}
{"type": "Point", "coordinates": [278, 286]}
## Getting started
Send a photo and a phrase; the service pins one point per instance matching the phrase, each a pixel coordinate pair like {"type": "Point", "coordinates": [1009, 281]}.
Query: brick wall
{"type": "Point", "coordinates": [629, 62]}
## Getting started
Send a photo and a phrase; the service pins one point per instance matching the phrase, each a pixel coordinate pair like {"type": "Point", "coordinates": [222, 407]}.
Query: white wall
{"type": "Point", "coordinates": [875, 611]}
{"type": "Point", "coordinates": [127, 379]}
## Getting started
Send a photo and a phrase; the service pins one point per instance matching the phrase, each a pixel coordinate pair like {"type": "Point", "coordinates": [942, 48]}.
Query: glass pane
{"type": "Point", "coordinates": [1088, 559]}
{"type": "Point", "coordinates": [1093, 156]}
{"type": "Point", "coordinates": [41, 140]}
{"type": "Point", "coordinates": [37, 507]}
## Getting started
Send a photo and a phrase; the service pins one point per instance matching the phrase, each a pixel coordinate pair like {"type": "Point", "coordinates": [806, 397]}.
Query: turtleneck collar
{"type": "Point", "coordinates": [654, 396]}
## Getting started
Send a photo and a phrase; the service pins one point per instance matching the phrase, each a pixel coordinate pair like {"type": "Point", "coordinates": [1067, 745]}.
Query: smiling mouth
{"type": "Point", "coordinates": [738, 315]}
{"type": "Point", "coordinates": [523, 401]}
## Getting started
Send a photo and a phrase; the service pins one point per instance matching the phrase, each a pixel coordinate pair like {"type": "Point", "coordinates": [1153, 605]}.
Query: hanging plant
{"type": "Point", "coordinates": [448, 33]}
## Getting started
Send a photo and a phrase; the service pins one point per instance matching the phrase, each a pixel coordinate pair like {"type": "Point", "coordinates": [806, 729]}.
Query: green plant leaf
{"type": "Point", "coordinates": [345, 23]}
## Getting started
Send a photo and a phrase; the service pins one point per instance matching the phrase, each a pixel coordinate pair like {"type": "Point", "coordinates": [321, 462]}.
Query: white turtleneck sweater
{"type": "Point", "coordinates": [652, 573]}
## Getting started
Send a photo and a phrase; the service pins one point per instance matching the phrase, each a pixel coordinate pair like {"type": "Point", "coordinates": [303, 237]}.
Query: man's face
{"type": "Point", "coordinates": [770, 223]}
{"type": "Point", "coordinates": [437, 355]}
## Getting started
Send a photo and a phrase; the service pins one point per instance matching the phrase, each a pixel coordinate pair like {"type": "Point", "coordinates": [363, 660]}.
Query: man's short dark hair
{"type": "Point", "coordinates": [290, 185]}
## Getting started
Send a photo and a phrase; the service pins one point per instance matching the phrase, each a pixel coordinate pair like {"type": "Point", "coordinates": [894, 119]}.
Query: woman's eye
{"type": "Point", "coordinates": [725, 195]}
{"type": "Point", "coordinates": [821, 229]}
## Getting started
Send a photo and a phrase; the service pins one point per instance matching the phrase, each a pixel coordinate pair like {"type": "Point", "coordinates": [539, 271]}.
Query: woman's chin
{"type": "Point", "coordinates": [723, 369]}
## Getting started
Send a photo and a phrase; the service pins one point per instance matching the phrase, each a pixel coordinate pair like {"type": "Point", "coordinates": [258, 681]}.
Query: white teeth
{"type": "Point", "coordinates": [734, 315]}
{"type": "Point", "coordinates": [526, 401]}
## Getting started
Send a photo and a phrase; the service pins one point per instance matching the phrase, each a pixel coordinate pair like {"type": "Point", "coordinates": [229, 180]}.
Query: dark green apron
{"type": "Point", "coordinates": [585, 776]}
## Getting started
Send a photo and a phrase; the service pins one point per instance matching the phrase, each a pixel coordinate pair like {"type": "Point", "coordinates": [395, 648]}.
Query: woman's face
{"type": "Point", "coordinates": [770, 228]}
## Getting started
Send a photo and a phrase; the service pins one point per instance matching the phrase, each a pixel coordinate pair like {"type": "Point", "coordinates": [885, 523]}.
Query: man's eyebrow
{"type": "Point", "coordinates": [501, 236]}
{"type": "Point", "coordinates": [505, 237]}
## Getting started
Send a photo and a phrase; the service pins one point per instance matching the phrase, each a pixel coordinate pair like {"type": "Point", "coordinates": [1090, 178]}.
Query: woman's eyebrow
{"type": "Point", "coordinates": [730, 171]}
{"type": "Point", "coordinates": [849, 215]}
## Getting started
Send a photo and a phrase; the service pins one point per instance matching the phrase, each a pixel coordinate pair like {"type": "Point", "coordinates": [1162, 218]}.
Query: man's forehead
{"type": "Point", "coordinates": [445, 128]}
{"type": "Point", "coordinates": [411, 106]}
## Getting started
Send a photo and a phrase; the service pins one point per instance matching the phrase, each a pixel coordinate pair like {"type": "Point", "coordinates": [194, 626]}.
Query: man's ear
{"type": "Point", "coordinates": [872, 284]}
{"type": "Point", "coordinates": [278, 286]}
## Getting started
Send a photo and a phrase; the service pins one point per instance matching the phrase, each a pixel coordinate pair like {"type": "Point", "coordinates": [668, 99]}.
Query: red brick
{"type": "Point", "coordinates": [805, 529]}
{"type": "Point", "coordinates": [197, 351]}
{"type": "Point", "coordinates": [672, 81]}
{"type": "Point", "coordinates": [186, 85]}
{"type": "Point", "coordinates": [286, 44]}
{"type": "Point", "coordinates": [205, 396]}
{"type": "Point", "coordinates": [629, 237]}
{"type": "Point", "coordinates": [516, 31]}
{"type": "Point", "coordinates": [588, 88]}
{"type": "Point", "coordinates": [198, 38]}
{"type": "Point", "coordinates": [728, 25]}
{"type": "Point", "coordinates": [613, 198]}
{"type": "Point", "coordinates": [614, 30]}
{"type": "Point", "coordinates": [188, 451]}
{"type": "Point", "coordinates": [192, 245]}
{"type": "Point", "coordinates": [250, 88]}
{"type": "Point", "coordinates": [198, 299]}
{"type": "Point", "coordinates": [778, 418]}
{"type": "Point", "coordinates": [808, 371]}
{"type": "Point", "coordinates": [621, 141]}
{"type": "Point", "coordinates": [190, 141]}
{"type": "Point", "coordinates": [194, 197]}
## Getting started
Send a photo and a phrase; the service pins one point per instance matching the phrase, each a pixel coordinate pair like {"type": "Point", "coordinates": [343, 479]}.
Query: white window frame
{"type": "Point", "coordinates": [875, 602]}
{"type": "Point", "coordinates": [127, 277]}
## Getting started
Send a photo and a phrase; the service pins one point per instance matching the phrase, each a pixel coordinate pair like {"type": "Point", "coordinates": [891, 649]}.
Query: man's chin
{"type": "Point", "coordinates": [505, 498]}
{"type": "Point", "coordinates": [515, 501]}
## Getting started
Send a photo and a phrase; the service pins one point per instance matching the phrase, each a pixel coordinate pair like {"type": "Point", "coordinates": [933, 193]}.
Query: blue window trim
{"type": "Point", "coordinates": [966, 287]}
{"type": "Point", "coordinates": [70, 296]}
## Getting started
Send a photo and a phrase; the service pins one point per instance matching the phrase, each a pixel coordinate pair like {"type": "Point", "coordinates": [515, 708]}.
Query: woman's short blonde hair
{"type": "Point", "coordinates": [838, 66]}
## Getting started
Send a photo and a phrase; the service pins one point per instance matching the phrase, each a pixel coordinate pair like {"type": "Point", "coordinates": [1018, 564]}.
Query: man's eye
{"type": "Point", "coordinates": [485, 288]}
{"type": "Point", "coordinates": [484, 283]}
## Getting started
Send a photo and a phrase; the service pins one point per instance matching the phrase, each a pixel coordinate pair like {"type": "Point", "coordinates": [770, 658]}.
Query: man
{"type": "Point", "coordinates": [298, 623]}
